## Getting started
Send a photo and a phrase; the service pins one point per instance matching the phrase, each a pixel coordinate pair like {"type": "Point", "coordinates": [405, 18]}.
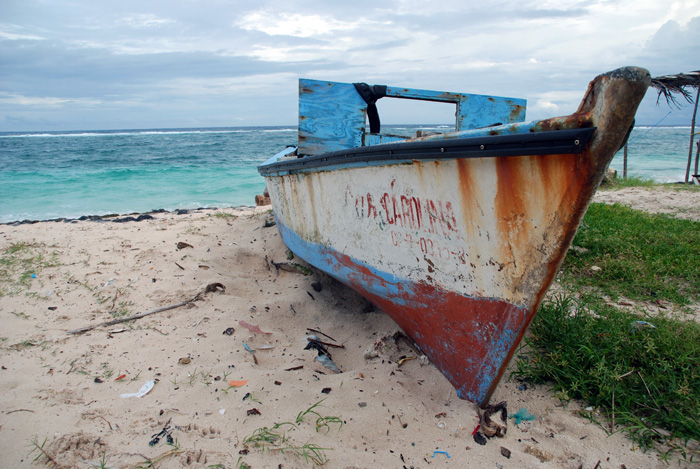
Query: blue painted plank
{"type": "Point", "coordinates": [332, 116]}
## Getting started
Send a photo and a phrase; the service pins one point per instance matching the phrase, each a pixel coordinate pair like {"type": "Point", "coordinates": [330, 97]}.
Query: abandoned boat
{"type": "Point", "coordinates": [456, 236]}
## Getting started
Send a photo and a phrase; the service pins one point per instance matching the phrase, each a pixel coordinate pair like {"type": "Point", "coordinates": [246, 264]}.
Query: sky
{"type": "Point", "coordinates": [104, 64]}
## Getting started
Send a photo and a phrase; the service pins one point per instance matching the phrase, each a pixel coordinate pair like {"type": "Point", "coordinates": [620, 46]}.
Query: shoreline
{"type": "Point", "coordinates": [133, 216]}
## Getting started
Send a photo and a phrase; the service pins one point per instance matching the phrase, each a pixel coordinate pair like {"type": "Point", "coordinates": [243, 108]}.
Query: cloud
{"type": "Point", "coordinates": [43, 101]}
{"type": "Point", "coordinates": [676, 47]}
{"type": "Point", "coordinates": [144, 21]}
{"type": "Point", "coordinates": [223, 61]}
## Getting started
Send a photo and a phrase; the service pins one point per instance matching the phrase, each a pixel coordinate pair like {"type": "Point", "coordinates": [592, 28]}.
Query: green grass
{"type": "Point", "coordinates": [643, 380]}
{"type": "Point", "coordinates": [641, 256]}
{"type": "Point", "coordinates": [276, 438]}
{"type": "Point", "coordinates": [630, 181]}
{"type": "Point", "coordinates": [19, 261]}
{"type": "Point", "coordinates": [648, 378]}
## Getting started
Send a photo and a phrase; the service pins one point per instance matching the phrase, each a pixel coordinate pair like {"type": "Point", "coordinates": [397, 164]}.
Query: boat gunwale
{"type": "Point", "coordinates": [554, 142]}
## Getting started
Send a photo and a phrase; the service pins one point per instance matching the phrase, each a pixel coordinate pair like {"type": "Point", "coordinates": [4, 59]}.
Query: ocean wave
{"type": "Point", "coordinates": [110, 133]}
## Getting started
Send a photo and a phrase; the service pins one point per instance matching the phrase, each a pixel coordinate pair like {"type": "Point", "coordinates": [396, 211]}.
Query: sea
{"type": "Point", "coordinates": [50, 175]}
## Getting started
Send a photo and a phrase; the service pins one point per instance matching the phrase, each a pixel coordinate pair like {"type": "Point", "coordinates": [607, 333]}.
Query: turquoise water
{"type": "Point", "coordinates": [658, 153]}
{"type": "Point", "coordinates": [70, 174]}
{"type": "Point", "coordinates": [52, 175]}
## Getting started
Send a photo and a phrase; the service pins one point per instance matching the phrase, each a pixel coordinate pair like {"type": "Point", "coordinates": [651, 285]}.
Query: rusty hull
{"type": "Point", "coordinates": [460, 251]}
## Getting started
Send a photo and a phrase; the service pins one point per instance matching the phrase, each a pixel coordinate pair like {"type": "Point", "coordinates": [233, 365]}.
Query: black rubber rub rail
{"type": "Point", "coordinates": [555, 142]}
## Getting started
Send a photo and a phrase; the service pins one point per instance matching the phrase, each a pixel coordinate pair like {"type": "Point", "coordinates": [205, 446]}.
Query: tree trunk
{"type": "Point", "coordinates": [692, 136]}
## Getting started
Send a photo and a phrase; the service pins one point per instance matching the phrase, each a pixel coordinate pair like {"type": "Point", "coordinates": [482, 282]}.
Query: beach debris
{"type": "Point", "coordinates": [229, 331]}
{"type": "Point", "coordinates": [319, 332]}
{"type": "Point", "coordinates": [265, 347]}
{"type": "Point", "coordinates": [184, 361]}
{"type": "Point", "coordinates": [278, 383]}
{"type": "Point", "coordinates": [290, 254]}
{"type": "Point", "coordinates": [252, 328]}
{"type": "Point", "coordinates": [238, 384]}
{"type": "Point", "coordinates": [540, 454]}
{"type": "Point", "coordinates": [165, 432]}
{"type": "Point", "coordinates": [269, 221]}
{"type": "Point", "coordinates": [326, 390]}
{"type": "Point", "coordinates": [183, 245]}
{"type": "Point", "coordinates": [403, 360]}
{"type": "Point", "coordinates": [98, 380]}
{"type": "Point", "coordinates": [181, 267]}
{"type": "Point", "coordinates": [145, 389]}
{"type": "Point", "coordinates": [253, 411]}
{"type": "Point", "coordinates": [496, 427]}
{"type": "Point", "coordinates": [441, 425]}
{"type": "Point", "coordinates": [521, 415]}
{"type": "Point", "coordinates": [212, 287]}
{"type": "Point", "coordinates": [292, 267]}
{"type": "Point", "coordinates": [252, 352]}
{"type": "Point", "coordinates": [310, 295]}
{"type": "Point", "coordinates": [222, 411]}
{"type": "Point", "coordinates": [362, 404]}
{"type": "Point", "coordinates": [294, 368]}
{"type": "Point", "coordinates": [324, 356]}
{"type": "Point", "coordinates": [505, 452]}
{"type": "Point", "coordinates": [479, 438]}
{"type": "Point", "coordinates": [441, 452]}
{"type": "Point", "coordinates": [120, 377]}
{"type": "Point", "coordinates": [639, 325]}
{"type": "Point", "coordinates": [328, 363]}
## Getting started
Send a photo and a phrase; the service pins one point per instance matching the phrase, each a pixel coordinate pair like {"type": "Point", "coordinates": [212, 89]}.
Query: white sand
{"type": "Point", "coordinates": [393, 415]}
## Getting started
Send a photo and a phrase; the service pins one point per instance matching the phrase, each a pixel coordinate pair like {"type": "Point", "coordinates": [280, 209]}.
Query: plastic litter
{"type": "Point", "coordinates": [328, 363]}
{"type": "Point", "coordinates": [441, 452]}
{"type": "Point", "coordinates": [145, 389]}
{"type": "Point", "coordinates": [521, 415]}
{"type": "Point", "coordinates": [252, 328]}
{"type": "Point", "coordinates": [638, 325]}
{"type": "Point", "coordinates": [238, 384]}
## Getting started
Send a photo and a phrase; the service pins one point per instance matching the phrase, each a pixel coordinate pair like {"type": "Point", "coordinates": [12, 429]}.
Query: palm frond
{"type": "Point", "coordinates": [670, 85]}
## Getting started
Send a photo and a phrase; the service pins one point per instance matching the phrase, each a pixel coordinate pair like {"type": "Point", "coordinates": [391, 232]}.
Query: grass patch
{"type": "Point", "coordinates": [225, 216]}
{"type": "Point", "coordinates": [276, 438]}
{"type": "Point", "coordinates": [20, 263]}
{"type": "Point", "coordinates": [642, 379]}
{"type": "Point", "coordinates": [645, 379]}
{"type": "Point", "coordinates": [630, 181]}
{"type": "Point", "coordinates": [641, 256]}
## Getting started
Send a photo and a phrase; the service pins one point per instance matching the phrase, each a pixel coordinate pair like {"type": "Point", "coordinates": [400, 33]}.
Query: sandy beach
{"type": "Point", "coordinates": [64, 392]}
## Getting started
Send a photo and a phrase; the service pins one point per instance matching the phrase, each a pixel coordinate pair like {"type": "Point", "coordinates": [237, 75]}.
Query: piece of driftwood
{"type": "Point", "coordinates": [212, 287]}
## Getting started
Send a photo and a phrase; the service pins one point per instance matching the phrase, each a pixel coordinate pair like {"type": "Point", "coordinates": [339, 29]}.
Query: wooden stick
{"type": "Point", "coordinates": [210, 288]}
{"type": "Point", "coordinates": [130, 318]}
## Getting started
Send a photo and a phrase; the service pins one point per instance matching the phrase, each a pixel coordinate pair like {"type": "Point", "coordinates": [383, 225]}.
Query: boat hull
{"type": "Point", "coordinates": [458, 250]}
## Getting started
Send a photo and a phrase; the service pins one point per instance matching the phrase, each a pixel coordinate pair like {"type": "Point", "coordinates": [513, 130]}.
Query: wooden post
{"type": "Point", "coordinates": [624, 164]}
{"type": "Point", "coordinates": [692, 136]}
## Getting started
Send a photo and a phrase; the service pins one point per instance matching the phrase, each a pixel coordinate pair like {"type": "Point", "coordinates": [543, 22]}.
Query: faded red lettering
{"type": "Point", "coordinates": [371, 209]}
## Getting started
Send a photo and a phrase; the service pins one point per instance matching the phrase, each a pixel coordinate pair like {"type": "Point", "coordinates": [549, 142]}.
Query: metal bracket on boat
{"type": "Point", "coordinates": [371, 94]}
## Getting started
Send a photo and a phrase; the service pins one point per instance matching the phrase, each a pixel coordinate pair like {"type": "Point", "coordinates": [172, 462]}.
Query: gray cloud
{"type": "Point", "coordinates": [77, 64]}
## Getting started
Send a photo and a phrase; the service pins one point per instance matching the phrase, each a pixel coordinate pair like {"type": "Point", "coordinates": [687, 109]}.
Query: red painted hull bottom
{"type": "Point", "coordinates": [469, 339]}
